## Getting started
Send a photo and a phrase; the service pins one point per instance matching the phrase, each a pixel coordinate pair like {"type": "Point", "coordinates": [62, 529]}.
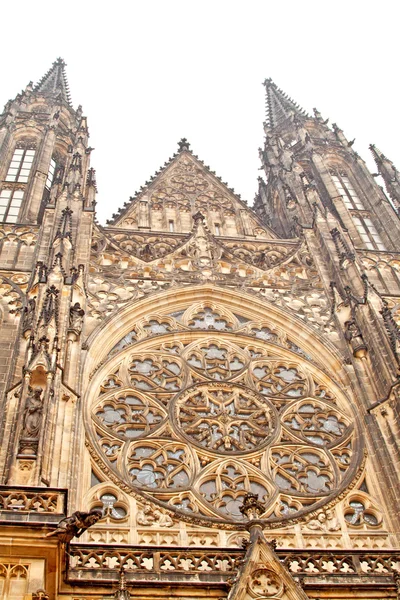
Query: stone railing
{"type": "Point", "coordinates": [147, 563]}
{"type": "Point", "coordinates": [88, 562]}
{"type": "Point", "coordinates": [21, 504]}
{"type": "Point", "coordinates": [317, 563]}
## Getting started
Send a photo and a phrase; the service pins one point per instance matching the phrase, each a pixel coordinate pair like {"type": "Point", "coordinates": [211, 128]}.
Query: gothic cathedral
{"type": "Point", "coordinates": [200, 399]}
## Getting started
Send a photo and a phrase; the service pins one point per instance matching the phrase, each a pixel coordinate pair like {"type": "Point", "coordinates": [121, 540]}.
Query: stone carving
{"type": "Point", "coordinates": [252, 508]}
{"type": "Point", "coordinates": [40, 595]}
{"type": "Point", "coordinates": [75, 525]}
{"type": "Point", "coordinates": [202, 417]}
{"type": "Point", "coordinates": [354, 337]}
{"type": "Point", "coordinates": [226, 418]}
{"type": "Point", "coordinates": [325, 521]}
{"type": "Point", "coordinates": [29, 314]}
{"type": "Point", "coordinates": [76, 315]}
{"type": "Point", "coordinates": [151, 516]}
{"type": "Point", "coordinates": [31, 421]}
{"type": "Point", "coordinates": [264, 583]}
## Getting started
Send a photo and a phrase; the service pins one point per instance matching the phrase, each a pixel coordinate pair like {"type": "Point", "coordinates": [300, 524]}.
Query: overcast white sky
{"type": "Point", "coordinates": [149, 73]}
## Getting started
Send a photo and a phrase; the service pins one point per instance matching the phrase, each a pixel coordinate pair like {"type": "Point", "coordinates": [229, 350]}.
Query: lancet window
{"type": "Point", "coordinates": [368, 233]}
{"type": "Point", "coordinates": [10, 204]}
{"type": "Point", "coordinates": [21, 164]}
{"type": "Point", "coordinates": [363, 223]}
{"type": "Point", "coordinates": [347, 191]}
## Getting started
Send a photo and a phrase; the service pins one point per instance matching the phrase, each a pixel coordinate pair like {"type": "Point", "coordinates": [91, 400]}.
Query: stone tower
{"type": "Point", "coordinates": [200, 398]}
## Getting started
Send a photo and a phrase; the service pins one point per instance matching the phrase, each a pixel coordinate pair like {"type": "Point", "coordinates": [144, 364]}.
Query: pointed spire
{"type": "Point", "coordinates": [278, 105]}
{"type": "Point", "coordinates": [54, 83]}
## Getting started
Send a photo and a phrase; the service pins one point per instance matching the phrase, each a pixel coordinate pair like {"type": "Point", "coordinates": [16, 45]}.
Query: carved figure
{"type": "Point", "coordinates": [29, 314]}
{"type": "Point", "coordinates": [145, 516]}
{"type": "Point", "coordinates": [75, 525]}
{"type": "Point", "coordinates": [354, 337]}
{"type": "Point", "coordinates": [325, 521]}
{"type": "Point", "coordinates": [32, 414]}
{"type": "Point", "coordinates": [148, 516]}
{"type": "Point", "coordinates": [76, 314]}
{"type": "Point", "coordinates": [162, 519]}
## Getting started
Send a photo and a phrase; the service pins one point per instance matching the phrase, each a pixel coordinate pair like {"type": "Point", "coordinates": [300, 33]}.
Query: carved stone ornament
{"type": "Point", "coordinates": [75, 525]}
{"type": "Point", "coordinates": [153, 516]}
{"type": "Point", "coordinates": [76, 315]}
{"type": "Point", "coordinates": [31, 422]}
{"type": "Point", "coordinates": [252, 508]}
{"type": "Point", "coordinates": [191, 419]}
{"type": "Point", "coordinates": [264, 583]}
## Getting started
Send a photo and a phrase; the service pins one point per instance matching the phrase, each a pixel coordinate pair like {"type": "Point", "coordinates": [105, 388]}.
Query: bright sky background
{"type": "Point", "coordinates": [149, 73]}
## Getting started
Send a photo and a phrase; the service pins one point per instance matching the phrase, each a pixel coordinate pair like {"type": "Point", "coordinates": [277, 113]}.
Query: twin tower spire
{"type": "Point", "coordinates": [279, 107]}
{"type": "Point", "coordinates": [278, 104]}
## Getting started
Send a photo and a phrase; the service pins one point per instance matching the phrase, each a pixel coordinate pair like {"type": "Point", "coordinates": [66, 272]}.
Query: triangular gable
{"type": "Point", "coordinates": [262, 575]}
{"type": "Point", "coordinates": [183, 187]}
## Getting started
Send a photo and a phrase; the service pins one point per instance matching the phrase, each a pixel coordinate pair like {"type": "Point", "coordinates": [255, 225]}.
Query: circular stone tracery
{"type": "Point", "coordinates": [226, 418]}
{"type": "Point", "coordinates": [271, 424]}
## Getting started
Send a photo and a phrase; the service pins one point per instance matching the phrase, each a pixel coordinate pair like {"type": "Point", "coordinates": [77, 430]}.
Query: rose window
{"type": "Point", "coordinates": [192, 417]}
{"type": "Point", "coordinates": [225, 417]}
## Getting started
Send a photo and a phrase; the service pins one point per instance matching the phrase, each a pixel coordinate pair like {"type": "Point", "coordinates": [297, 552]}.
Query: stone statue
{"type": "Point", "coordinates": [325, 521]}
{"type": "Point", "coordinates": [29, 313]}
{"type": "Point", "coordinates": [75, 525]}
{"type": "Point", "coordinates": [76, 314]}
{"type": "Point", "coordinates": [32, 414]}
{"type": "Point", "coordinates": [149, 516]}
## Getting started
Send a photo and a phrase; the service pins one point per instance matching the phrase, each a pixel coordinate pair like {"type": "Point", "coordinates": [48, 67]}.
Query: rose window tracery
{"type": "Point", "coordinates": [193, 420]}
{"type": "Point", "coordinates": [225, 418]}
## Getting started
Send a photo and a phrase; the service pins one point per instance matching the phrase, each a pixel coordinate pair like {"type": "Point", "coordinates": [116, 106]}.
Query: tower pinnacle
{"type": "Point", "coordinates": [54, 82]}
{"type": "Point", "coordinates": [279, 106]}
{"type": "Point", "coordinates": [390, 174]}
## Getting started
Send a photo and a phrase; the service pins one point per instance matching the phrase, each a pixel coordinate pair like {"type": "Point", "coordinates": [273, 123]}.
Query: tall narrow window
{"type": "Point", "coordinates": [347, 192]}
{"type": "Point", "coordinates": [50, 174]}
{"type": "Point", "coordinates": [217, 229]}
{"type": "Point", "coordinates": [171, 226]}
{"type": "Point", "coordinates": [368, 234]}
{"type": "Point", "coordinates": [21, 164]}
{"type": "Point", "coordinates": [10, 203]}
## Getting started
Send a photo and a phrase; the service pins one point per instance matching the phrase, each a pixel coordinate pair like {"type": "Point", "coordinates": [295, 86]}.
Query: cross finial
{"type": "Point", "coordinates": [183, 144]}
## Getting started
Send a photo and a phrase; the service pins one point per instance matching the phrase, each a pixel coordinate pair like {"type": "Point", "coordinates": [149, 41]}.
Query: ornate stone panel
{"type": "Point", "coordinates": [194, 409]}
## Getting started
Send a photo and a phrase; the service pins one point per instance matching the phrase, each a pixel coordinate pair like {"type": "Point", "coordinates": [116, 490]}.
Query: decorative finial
{"type": "Point", "coordinates": [122, 593]}
{"type": "Point", "coordinates": [198, 217]}
{"type": "Point", "coordinates": [252, 508]}
{"type": "Point", "coordinates": [183, 144]}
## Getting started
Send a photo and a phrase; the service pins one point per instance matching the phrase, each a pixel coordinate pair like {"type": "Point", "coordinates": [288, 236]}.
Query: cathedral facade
{"type": "Point", "coordinates": [199, 398]}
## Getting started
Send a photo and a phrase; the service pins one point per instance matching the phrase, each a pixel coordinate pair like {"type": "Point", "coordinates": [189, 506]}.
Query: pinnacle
{"type": "Point", "coordinates": [54, 82]}
{"type": "Point", "coordinates": [183, 144]}
{"type": "Point", "coordinates": [279, 106]}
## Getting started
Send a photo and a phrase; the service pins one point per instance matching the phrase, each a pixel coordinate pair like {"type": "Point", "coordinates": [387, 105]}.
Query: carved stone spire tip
{"type": "Point", "coordinates": [252, 508]}
{"type": "Point", "coordinates": [183, 144]}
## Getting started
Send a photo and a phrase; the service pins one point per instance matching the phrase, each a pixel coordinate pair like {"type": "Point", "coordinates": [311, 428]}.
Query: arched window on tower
{"type": "Point", "coordinates": [347, 191]}
{"type": "Point", "coordinates": [368, 233]}
{"type": "Point", "coordinates": [10, 204]}
{"type": "Point", "coordinates": [54, 175]}
{"type": "Point", "coordinates": [361, 218]}
{"type": "Point", "coordinates": [21, 164]}
{"type": "Point", "coordinates": [13, 188]}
